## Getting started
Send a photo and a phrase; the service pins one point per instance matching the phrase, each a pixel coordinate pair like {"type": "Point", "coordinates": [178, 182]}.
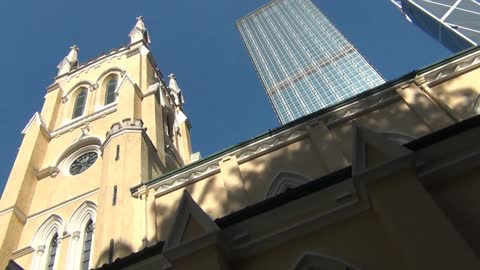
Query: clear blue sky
{"type": "Point", "coordinates": [196, 40]}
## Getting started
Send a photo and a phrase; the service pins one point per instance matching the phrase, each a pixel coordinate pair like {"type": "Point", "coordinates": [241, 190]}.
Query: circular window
{"type": "Point", "coordinates": [74, 162]}
{"type": "Point", "coordinates": [83, 162]}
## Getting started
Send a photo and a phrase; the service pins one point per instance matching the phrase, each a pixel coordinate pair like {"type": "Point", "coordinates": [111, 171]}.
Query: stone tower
{"type": "Point", "coordinates": [106, 125]}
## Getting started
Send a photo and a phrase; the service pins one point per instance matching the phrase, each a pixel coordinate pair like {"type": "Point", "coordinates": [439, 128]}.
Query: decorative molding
{"type": "Point", "coordinates": [113, 70]}
{"type": "Point", "coordinates": [177, 181]}
{"type": "Point", "coordinates": [212, 167]}
{"type": "Point", "coordinates": [452, 69]}
{"type": "Point", "coordinates": [127, 125]}
{"type": "Point", "coordinates": [85, 212]}
{"type": "Point", "coordinates": [332, 118]}
{"type": "Point", "coordinates": [84, 83]}
{"type": "Point", "coordinates": [108, 109]}
{"type": "Point", "coordinates": [360, 107]}
{"type": "Point", "coordinates": [271, 143]}
{"type": "Point", "coordinates": [22, 252]}
{"type": "Point", "coordinates": [68, 157]}
{"type": "Point", "coordinates": [53, 224]}
{"type": "Point", "coordinates": [36, 118]}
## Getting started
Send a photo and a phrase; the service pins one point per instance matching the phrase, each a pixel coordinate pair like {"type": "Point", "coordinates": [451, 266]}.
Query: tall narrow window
{"type": "Point", "coordinates": [80, 103]}
{"type": "Point", "coordinates": [110, 91]}
{"type": "Point", "coordinates": [52, 251]}
{"type": "Point", "coordinates": [114, 199]}
{"type": "Point", "coordinates": [117, 154]}
{"type": "Point", "coordinates": [87, 245]}
{"type": "Point", "coordinates": [110, 251]}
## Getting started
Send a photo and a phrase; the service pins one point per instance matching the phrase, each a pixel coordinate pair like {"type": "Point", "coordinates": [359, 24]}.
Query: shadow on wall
{"type": "Point", "coordinates": [121, 250]}
{"type": "Point", "coordinates": [261, 171]}
{"type": "Point", "coordinates": [202, 194]}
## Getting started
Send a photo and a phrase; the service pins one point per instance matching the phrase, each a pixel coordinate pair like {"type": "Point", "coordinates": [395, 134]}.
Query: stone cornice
{"type": "Point", "coordinates": [22, 252]}
{"type": "Point", "coordinates": [270, 143]}
{"type": "Point", "coordinates": [127, 125]}
{"type": "Point", "coordinates": [110, 108]}
{"type": "Point", "coordinates": [452, 69]}
{"type": "Point", "coordinates": [36, 118]}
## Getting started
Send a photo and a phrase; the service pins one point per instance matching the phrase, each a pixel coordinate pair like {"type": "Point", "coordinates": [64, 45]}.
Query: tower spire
{"type": "Point", "coordinates": [139, 32]}
{"type": "Point", "coordinates": [69, 62]}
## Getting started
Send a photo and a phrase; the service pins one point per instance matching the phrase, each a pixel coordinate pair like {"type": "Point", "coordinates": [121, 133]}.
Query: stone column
{"type": "Point", "coordinates": [73, 255]}
{"type": "Point", "coordinates": [38, 259]}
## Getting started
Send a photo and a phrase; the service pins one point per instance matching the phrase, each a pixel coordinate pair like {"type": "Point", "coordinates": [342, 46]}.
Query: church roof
{"type": "Point", "coordinates": [384, 87]}
{"type": "Point", "coordinates": [339, 175]}
{"type": "Point", "coordinates": [301, 191]}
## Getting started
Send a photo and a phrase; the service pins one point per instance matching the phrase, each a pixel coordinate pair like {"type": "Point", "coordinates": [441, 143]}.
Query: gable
{"type": "Point", "coordinates": [190, 223]}
{"type": "Point", "coordinates": [372, 148]}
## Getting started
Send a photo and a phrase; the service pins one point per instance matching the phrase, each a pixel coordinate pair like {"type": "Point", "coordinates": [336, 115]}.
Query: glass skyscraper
{"type": "Point", "coordinates": [454, 23]}
{"type": "Point", "coordinates": [303, 61]}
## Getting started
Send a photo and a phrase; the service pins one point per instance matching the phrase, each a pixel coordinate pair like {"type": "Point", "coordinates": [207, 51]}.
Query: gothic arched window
{"type": "Point", "coordinates": [81, 226]}
{"type": "Point", "coordinates": [52, 252]}
{"type": "Point", "coordinates": [80, 101]}
{"type": "Point", "coordinates": [87, 245]}
{"type": "Point", "coordinates": [285, 181]}
{"type": "Point", "coordinates": [110, 90]}
{"type": "Point", "coordinates": [47, 244]}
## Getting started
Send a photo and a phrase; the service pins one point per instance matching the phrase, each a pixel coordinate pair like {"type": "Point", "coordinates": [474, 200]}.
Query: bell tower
{"type": "Point", "coordinates": [106, 125]}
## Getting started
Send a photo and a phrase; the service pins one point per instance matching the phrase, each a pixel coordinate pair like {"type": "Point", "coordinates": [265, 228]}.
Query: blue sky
{"type": "Point", "coordinates": [196, 40]}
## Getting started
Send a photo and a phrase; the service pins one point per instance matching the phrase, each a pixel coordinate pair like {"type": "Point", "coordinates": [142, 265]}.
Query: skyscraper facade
{"type": "Point", "coordinates": [454, 23]}
{"type": "Point", "coordinates": [303, 61]}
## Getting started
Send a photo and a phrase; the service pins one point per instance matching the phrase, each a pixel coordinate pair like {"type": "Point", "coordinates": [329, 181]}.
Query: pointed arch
{"type": "Point", "coordinates": [284, 181]}
{"type": "Point", "coordinates": [108, 83]}
{"type": "Point", "coordinates": [42, 241]}
{"type": "Point", "coordinates": [53, 224]}
{"type": "Point", "coordinates": [110, 89]}
{"type": "Point", "coordinates": [114, 70]}
{"type": "Point", "coordinates": [81, 226]}
{"type": "Point", "coordinates": [79, 103]}
{"type": "Point", "coordinates": [311, 260]}
{"type": "Point", "coordinates": [86, 211]}
{"type": "Point", "coordinates": [84, 83]}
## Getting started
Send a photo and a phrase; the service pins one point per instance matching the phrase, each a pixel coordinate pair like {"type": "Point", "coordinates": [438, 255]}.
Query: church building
{"type": "Point", "coordinates": [105, 177]}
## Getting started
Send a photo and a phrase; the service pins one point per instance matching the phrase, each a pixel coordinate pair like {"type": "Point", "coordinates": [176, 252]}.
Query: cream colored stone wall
{"type": "Point", "coordinates": [60, 193]}
{"type": "Point", "coordinates": [237, 180]}
{"type": "Point", "coordinates": [360, 241]}
{"type": "Point", "coordinates": [460, 93]}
